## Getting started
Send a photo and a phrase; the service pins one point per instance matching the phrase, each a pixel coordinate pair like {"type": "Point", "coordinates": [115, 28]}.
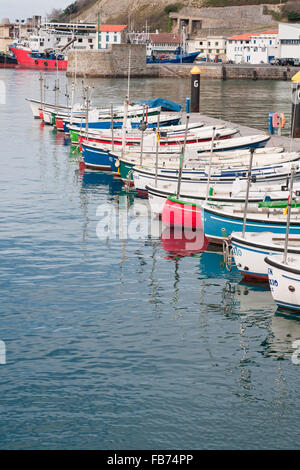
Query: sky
{"type": "Point", "coordinates": [23, 9]}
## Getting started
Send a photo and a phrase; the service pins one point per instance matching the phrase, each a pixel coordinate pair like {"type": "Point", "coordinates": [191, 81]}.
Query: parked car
{"type": "Point", "coordinates": [287, 61]}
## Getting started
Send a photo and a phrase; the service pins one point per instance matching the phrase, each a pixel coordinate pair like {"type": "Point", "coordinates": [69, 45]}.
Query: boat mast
{"type": "Point", "coordinates": [247, 191]}
{"type": "Point", "coordinates": [289, 210]}
{"type": "Point", "coordinates": [181, 162]}
{"type": "Point", "coordinates": [210, 162]}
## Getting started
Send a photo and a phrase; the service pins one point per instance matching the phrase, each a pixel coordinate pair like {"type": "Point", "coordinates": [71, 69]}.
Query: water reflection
{"type": "Point", "coordinates": [96, 181]}
{"type": "Point", "coordinates": [179, 243]}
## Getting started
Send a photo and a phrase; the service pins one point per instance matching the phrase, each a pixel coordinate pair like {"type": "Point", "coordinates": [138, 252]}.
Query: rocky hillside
{"type": "Point", "coordinates": [154, 12]}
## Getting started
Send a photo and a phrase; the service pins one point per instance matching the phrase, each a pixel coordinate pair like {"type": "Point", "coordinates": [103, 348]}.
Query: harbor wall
{"type": "Point", "coordinates": [113, 62]}
{"type": "Point", "coordinates": [228, 71]}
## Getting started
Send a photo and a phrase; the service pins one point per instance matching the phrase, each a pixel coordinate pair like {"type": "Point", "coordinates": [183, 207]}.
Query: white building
{"type": "Point", "coordinates": [110, 34]}
{"type": "Point", "coordinates": [210, 48]}
{"type": "Point", "coordinates": [255, 48]}
{"type": "Point", "coordinates": [289, 40]}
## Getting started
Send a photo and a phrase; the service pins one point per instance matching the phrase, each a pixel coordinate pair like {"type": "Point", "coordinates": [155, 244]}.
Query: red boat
{"type": "Point", "coordinates": [182, 214]}
{"type": "Point", "coordinates": [39, 60]}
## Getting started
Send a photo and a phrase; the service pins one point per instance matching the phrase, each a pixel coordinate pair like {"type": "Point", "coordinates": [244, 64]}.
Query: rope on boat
{"type": "Point", "coordinates": [228, 257]}
{"type": "Point", "coordinates": [127, 186]}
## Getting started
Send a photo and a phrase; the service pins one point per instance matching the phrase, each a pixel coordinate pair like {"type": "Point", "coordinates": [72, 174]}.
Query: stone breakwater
{"type": "Point", "coordinates": [114, 62]}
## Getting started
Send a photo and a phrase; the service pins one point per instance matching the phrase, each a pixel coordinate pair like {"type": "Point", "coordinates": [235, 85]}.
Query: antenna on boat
{"type": "Point", "coordinates": [247, 191]}
{"type": "Point", "coordinates": [289, 210]}
{"type": "Point", "coordinates": [181, 162]}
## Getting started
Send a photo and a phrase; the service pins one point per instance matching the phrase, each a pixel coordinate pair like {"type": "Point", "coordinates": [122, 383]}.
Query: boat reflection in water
{"type": "Point", "coordinates": [182, 242]}
{"type": "Point", "coordinates": [94, 180]}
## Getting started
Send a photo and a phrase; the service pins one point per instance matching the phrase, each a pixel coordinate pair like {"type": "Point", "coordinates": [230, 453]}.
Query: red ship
{"type": "Point", "coordinates": [39, 60]}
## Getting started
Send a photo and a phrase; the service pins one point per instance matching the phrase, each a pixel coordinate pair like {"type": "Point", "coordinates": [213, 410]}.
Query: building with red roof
{"type": "Point", "coordinates": [253, 48]}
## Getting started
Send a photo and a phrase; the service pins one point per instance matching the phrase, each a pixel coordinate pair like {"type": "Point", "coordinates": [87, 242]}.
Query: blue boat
{"type": "Point", "coordinates": [178, 59]}
{"type": "Point", "coordinates": [219, 222]}
{"type": "Point", "coordinates": [98, 159]}
{"type": "Point", "coordinates": [119, 124]}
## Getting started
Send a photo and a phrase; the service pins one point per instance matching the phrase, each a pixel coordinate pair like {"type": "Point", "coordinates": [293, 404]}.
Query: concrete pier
{"type": "Point", "coordinates": [275, 141]}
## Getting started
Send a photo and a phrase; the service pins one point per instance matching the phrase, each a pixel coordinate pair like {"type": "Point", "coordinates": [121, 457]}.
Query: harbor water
{"type": "Point", "coordinates": [121, 341]}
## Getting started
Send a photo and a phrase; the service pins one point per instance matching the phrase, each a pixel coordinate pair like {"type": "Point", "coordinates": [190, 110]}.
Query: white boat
{"type": "Point", "coordinates": [270, 168]}
{"type": "Point", "coordinates": [249, 252]}
{"type": "Point", "coordinates": [284, 280]}
{"type": "Point", "coordinates": [235, 193]}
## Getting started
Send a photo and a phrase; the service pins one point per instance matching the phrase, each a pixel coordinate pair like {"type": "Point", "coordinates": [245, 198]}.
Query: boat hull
{"type": "Point", "coordinates": [25, 61]}
{"type": "Point", "coordinates": [218, 227]}
{"type": "Point", "coordinates": [176, 213]}
{"type": "Point", "coordinates": [249, 252]}
{"type": "Point", "coordinates": [97, 159]}
{"type": "Point", "coordinates": [284, 284]}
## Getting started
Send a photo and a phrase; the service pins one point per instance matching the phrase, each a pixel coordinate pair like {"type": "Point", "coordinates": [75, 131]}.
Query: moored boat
{"type": "Point", "coordinates": [27, 58]}
{"type": "Point", "coordinates": [284, 280]}
{"type": "Point", "coordinates": [249, 252]}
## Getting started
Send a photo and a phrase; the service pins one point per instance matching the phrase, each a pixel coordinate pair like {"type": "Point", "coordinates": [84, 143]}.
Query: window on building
{"type": "Point", "coordinates": [217, 51]}
{"type": "Point", "coordinates": [90, 40]}
{"type": "Point", "coordinates": [79, 39]}
{"type": "Point", "coordinates": [210, 51]}
{"type": "Point", "coordinates": [216, 43]}
{"type": "Point", "coordinates": [115, 38]}
{"type": "Point", "coordinates": [107, 38]}
{"type": "Point", "coordinates": [200, 43]}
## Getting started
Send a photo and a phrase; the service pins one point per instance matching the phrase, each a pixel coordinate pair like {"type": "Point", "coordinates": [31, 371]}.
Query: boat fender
{"type": "Point", "coordinates": [117, 163]}
{"type": "Point", "coordinates": [282, 120]}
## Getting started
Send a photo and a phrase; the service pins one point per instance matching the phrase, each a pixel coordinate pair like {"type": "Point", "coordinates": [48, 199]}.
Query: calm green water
{"type": "Point", "coordinates": [129, 343]}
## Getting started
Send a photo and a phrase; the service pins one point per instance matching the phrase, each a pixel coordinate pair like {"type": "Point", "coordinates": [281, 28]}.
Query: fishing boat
{"type": "Point", "coordinates": [134, 137]}
{"type": "Point", "coordinates": [7, 60]}
{"type": "Point", "coordinates": [48, 60]}
{"type": "Point", "coordinates": [238, 145]}
{"type": "Point", "coordinates": [250, 249]}
{"type": "Point", "coordinates": [220, 222]}
{"type": "Point", "coordinates": [284, 280]}
{"type": "Point", "coordinates": [167, 138]}
{"type": "Point", "coordinates": [177, 59]}
{"type": "Point", "coordinates": [135, 120]}
{"type": "Point", "coordinates": [105, 153]}
{"type": "Point", "coordinates": [265, 170]}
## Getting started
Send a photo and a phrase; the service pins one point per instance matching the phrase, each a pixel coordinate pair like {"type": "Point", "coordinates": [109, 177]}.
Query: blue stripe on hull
{"type": "Point", "coordinates": [286, 305]}
{"type": "Point", "coordinates": [96, 158]}
{"type": "Point", "coordinates": [119, 124]}
{"type": "Point", "coordinates": [218, 227]}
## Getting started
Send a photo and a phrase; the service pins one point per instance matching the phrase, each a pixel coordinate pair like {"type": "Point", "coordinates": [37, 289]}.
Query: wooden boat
{"type": "Point", "coordinates": [284, 280]}
{"type": "Point", "coordinates": [249, 252]}
{"type": "Point", "coordinates": [102, 154]}
{"type": "Point", "coordinates": [224, 148]}
{"type": "Point", "coordinates": [220, 222]}
{"type": "Point", "coordinates": [271, 168]}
